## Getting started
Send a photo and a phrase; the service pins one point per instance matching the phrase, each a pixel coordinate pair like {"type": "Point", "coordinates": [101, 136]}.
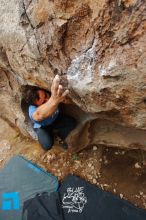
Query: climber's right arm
{"type": "Point", "coordinates": [49, 108]}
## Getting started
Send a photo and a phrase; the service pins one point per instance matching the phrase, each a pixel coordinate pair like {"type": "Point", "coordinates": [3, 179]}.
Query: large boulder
{"type": "Point", "coordinates": [99, 50]}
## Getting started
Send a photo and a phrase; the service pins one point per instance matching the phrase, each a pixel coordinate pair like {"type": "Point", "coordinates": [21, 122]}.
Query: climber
{"type": "Point", "coordinates": [46, 116]}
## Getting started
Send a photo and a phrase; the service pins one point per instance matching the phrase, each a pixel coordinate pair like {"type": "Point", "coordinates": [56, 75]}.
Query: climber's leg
{"type": "Point", "coordinates": [63, 125]}
{"type": "Point", "coordinates": [45, 137]}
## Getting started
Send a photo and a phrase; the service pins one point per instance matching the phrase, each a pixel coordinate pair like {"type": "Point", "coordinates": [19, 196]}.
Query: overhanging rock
{"type": "Point", "coordinates": [99, 50]}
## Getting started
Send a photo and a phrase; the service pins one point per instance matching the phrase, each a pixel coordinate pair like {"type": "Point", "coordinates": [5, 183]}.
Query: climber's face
{"type": "Point", "coordinates": [42, 97]}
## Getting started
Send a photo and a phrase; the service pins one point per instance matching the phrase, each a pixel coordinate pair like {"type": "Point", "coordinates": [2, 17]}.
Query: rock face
{"type": "Point", "coordinates": [99, 50]}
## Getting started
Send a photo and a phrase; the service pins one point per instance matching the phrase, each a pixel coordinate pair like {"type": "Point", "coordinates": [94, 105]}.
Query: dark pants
{"type": "Point", "coordinates": [62, 126]}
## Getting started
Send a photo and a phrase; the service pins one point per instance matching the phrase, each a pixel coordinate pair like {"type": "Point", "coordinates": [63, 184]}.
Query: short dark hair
{"type": "Point", "coordinates": [31, 94]}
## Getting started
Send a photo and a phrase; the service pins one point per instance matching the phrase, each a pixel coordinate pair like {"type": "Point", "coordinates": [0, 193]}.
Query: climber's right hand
{"type": "Point", "coordinates": [58, 94]}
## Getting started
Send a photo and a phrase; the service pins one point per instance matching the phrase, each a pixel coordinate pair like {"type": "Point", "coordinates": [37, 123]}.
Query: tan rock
{"type": "Point", "coordinates": [121, 195]}
{"type": "Point", "coordinates": [94, 148]}
{"type": "Point", "coordinates": [94, 181]}
{"type": "Point", "coordinates": [137, 165]}
{"type": "Point", "coordinates": [99, 50]}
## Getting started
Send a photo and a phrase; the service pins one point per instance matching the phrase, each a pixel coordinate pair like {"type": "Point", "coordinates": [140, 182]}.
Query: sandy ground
{"type": "Point", "coordinates": [115, 170]}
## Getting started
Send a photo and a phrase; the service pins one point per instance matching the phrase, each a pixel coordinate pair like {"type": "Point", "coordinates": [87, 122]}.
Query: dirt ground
{"type": "Point", "coordinates": [122, 172]}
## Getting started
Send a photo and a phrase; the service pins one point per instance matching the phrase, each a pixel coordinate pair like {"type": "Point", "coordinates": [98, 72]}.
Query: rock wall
{"type": "Point", "coordinates": [99, 50]}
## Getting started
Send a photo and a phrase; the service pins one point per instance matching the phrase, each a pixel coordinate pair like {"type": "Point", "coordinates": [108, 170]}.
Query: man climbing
{"type": "Point", "coordinates": [46, 116]}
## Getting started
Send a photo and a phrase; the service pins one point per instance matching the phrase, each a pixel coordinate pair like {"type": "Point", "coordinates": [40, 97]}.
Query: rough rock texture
{"type": "Point", "coordinates": [99, 50]}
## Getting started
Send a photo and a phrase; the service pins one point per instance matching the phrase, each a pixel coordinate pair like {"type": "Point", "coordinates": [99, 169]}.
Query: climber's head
{"type": "Point", "coordinates": [36, 96]}
{"type": "Point", "coordinates": [42, 97]}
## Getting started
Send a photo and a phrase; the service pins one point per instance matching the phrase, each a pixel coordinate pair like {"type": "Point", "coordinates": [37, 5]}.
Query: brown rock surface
{"type": "Point", "coordinates": [99, 50]}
